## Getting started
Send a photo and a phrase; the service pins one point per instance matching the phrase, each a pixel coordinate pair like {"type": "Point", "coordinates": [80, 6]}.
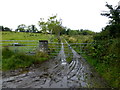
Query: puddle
{"type": "Point", "coordinates": [57, 73]}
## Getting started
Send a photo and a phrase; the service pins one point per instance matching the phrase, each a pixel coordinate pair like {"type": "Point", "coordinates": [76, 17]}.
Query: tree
{"type": "Point", "coordinates": [43, 25]}
{"type": "Point", "coordinates": [52, 25]}
{"type": "Point", "coordinates": [114, 15]}
{"type": "Point", "coordinates": [21, 28]}
{"type": "Point", "coordinates": [31, 28]}
{"type": "Point", "coordinates": [64, 31]}
{"type": "Point", "coordinates": [67, 31]}
{"type": "Point", "coordinates": [7, 29]}
{"type": "Point", "coordinates": [1, 28]}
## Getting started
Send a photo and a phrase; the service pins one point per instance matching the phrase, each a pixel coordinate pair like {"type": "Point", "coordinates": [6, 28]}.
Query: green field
{"type": "Point", "coordinates": [14, 57]}
{"type": "Point", "coordinates": [25, 36]}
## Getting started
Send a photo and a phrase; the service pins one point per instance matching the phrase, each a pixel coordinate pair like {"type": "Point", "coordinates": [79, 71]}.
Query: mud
{"type": "Point", "coordinates": [57, 73]}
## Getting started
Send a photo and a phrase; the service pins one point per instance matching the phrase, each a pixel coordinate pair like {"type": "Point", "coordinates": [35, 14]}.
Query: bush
{"type": "Point", "coordinates": [107, 58]}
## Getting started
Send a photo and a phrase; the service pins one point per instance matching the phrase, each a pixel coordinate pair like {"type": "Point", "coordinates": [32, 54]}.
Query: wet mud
{"type": "Point", "coordinates": [57, 73]}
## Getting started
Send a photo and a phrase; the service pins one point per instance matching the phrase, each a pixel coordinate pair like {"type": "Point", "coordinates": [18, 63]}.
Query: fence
{"type": "Point", "coordinates": [80, 47]}
{"type": "Point", "coordinates": [26, 46]}
{"type": "Point", "coordinates": [31, 46]}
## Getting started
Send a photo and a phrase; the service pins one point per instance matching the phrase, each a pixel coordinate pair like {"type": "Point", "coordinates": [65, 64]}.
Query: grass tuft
{"type": "Point", "coordinates": [12, 61]}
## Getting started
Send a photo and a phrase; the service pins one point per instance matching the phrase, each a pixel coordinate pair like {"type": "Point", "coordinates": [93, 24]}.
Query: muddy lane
{"type": "Point", "coordinates": [57, 73]}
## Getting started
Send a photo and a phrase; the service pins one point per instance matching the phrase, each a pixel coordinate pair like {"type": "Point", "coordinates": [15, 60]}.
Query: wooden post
{"type": "Point", "coordinates": [43, 46]}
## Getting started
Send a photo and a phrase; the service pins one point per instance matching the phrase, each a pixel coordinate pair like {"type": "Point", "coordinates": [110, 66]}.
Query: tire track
{"type": "Point", "coordinates": [57, 73]}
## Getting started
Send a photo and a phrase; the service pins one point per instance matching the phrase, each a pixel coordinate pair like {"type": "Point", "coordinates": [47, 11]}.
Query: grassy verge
{"type": "Point", "coordinates": [79, 38]}
{"type": "Point", "coordinates": [103, 56]}
{"type": "Point", "coordinates": [12, 60]}
{"type": "Point", "coordinates": [109, 73]}
{"type": "Point", "coordinates": [73, 40]}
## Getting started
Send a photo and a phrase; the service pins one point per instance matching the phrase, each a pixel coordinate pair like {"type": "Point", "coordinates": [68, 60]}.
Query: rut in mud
{"type": "Point", "coordinates": [57, 73]}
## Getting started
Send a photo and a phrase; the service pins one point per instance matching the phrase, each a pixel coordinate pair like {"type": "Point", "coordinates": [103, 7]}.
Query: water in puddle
{"type": "Point", "coordinates": [56, 73]}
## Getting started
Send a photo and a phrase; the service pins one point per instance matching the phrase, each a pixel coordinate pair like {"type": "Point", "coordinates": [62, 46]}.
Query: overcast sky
{"type": "Point", "coordinates": [75, 14]}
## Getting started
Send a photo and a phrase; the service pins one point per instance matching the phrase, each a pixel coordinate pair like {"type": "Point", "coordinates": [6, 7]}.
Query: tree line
{"type": "Point", "coordinates": [21, 28]}
{"type": "Point", "coordinates": [51, 26]}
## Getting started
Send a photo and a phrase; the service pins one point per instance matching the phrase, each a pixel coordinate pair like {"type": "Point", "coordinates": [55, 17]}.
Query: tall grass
{"type": "Point", "coordinates": [79, 38]}
{"type": "Point", "coordinates": [110, 73]}
{"type": "Point", "coordinates": [12, 60]}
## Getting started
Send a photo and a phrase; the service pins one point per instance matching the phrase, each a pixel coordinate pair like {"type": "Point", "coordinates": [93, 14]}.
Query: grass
{"type": "Point", "coordinates": [109, 73]}
{"type": "Point", "coordinates": [75, 39]}
{"type": "Point", "coordinates": [79, 38]}
{"type": "Point", "coordinates": [105, 59]}
{"type": "Point", "coordinates": [24, 36]}
{"type": "Point", "coordinates": [14, 57]}
{"type": "Point", "coordinates": [24, 39]}
{"type": "Point", "coordinates": [12, 60]}
{"type": "Point", "coordinates": [54, 49]}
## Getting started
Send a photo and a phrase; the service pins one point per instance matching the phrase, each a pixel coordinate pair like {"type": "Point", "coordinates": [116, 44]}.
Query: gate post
{"type": "Point", "coordinates": [43, 46]}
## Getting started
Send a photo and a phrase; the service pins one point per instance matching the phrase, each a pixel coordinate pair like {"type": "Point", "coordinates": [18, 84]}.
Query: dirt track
{"type": "Point", "coordinates": [57, 73]}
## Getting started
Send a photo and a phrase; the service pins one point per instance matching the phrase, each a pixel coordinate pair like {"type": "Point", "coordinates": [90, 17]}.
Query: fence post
{"type": "Point", "coordinates": [43, 46]}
